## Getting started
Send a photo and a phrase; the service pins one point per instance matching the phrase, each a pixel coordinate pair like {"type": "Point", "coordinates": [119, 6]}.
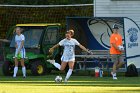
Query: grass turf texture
{"type": "Point", "coordinates": [77, 84]}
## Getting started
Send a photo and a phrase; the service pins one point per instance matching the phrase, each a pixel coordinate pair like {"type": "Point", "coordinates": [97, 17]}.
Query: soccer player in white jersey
{"type": "Point", "coordinates": [20, 50]}
{"type": "Point", "coordinates": [68, 56]}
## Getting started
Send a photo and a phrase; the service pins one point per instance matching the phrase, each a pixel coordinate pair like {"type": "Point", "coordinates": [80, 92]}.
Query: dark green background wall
{"type": "Point", "coordinates": [47, 2]}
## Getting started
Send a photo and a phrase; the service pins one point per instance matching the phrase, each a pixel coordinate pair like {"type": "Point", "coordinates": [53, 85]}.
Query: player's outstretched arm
{"type": "Point", "coordinates": [83, 48]}
{"type": "Point", "coordinates": [52, 49]}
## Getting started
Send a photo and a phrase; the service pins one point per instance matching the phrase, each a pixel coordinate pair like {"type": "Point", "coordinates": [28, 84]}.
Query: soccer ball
{"type": "Point", "coordinates": [58, 79]}
{"type": "Point", "coordinates": [121, 47]}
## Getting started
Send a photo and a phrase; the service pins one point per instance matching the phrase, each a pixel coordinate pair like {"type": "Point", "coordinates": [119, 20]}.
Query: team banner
{"type": "Point", "coordinates": [94, 33]}
{"type": "Point", "coordinates": [132, 42]}
{"type": "Point", "coordinates": [101, 29]}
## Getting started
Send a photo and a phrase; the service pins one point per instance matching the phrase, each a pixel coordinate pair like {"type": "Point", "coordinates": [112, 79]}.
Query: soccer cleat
{"type": "Point", "coordinates": [115, 78]}
{"type": "Point", "coordinates": [51, 61]}
{"type": "Point", "coordinates": [14, 76]}
{"type": "Point", "coordinates": [65, 81]}
{"type": "Point", "coordinates": [113, 74]}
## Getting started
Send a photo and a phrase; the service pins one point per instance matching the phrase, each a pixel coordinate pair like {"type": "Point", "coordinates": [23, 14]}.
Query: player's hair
{"type": "Point", "coordinates": [71, 31]}
{"type": "Point", "coordinates": [19, 28]}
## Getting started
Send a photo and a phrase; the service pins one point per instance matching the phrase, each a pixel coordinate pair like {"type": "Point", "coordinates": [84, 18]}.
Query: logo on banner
{"type": "Point", "coordinates": [133, 37]}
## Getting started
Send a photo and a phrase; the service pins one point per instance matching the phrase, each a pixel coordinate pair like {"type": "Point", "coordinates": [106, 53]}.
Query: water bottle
{"type": "Point", "coordinates": [96, 71]}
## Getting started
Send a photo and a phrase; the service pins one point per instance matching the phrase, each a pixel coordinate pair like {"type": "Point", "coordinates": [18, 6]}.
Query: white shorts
{"type": "Point", "coordinates": [67, 58]}
{"type": "Point", "coordinates": [23, 53]}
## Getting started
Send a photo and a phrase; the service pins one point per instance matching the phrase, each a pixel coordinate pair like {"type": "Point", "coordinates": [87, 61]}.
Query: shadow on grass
{"type": "Point", "coordinates": [92, 85]}
{"type": "Point", "coordinates": [48, 80]}
{"type": "Point", "coordinates": [127, 91]}
{"type": "Point", "coordinates": [71, 83]}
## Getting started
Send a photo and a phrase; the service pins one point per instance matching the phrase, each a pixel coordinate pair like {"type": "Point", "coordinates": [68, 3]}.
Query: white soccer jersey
{"type": "Point", "coordinates": [18, 40]}
{"type": "Point", "coordinates": [69, 49]}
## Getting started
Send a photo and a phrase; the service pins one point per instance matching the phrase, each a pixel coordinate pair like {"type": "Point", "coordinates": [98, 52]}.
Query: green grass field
{"type": "Point", "coordinates": [77, 84]}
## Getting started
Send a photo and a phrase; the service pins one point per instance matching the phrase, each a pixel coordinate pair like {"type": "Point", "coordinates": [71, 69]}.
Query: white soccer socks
{"type": "Point", "coordinates": [68, 75]}
{"type": "Point", "coordinates": [57, 65]}
{"type": "Point", "coordinates": [24, 71]}
{"type": "Point", "coordinates": [114, 76]}
{"type": "Point", "coordinates": [15, 71]}
{"type": "Point", "coordinates": [51, 61]}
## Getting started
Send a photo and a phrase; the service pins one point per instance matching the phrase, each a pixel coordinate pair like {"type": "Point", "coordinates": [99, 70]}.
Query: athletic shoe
{"type": "Point", "coordinates": [14, 76]}
{"type": "Point", "coordinates": [113, 74]}
{"type": "Point", "coordinates": [24, 76]}
{"type": "Point", "coordinates": [115, 78]}
{"type": "Point", "coordinates": [51, 61]}
{"type": "Point", "coordinates": [65, 81]}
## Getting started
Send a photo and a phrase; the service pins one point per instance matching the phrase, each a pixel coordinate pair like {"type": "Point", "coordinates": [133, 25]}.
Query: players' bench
{"type": "Point", "coordinates": [99, 57]}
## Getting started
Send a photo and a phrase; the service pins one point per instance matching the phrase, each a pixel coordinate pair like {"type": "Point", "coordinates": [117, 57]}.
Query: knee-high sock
{"type": "Point", "coordinates": [15, 71]}
{"type": "Point", "coordinates": [57, 65]}
{"type": "Point", "coordinates": [24, 71]}
{"type": "Point", "coordinates": [68, 74]}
